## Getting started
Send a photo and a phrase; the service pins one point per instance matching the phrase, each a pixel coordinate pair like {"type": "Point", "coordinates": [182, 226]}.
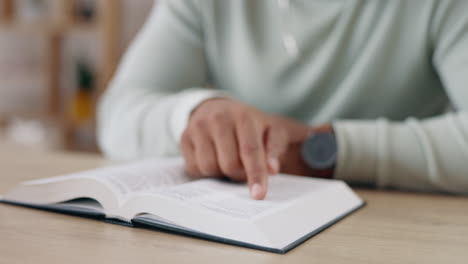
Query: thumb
{"type": "Point", "coordinates": [276, 143]}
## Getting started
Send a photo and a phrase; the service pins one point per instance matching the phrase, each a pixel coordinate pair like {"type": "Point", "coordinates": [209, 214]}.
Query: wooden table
{"type": "Point", "coordinates": [393, 228]}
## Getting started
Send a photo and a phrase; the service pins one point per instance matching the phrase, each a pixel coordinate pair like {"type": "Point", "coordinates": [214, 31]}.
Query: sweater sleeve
{"type": "Point", "coordinates": [423, 155]}
{"type": "Point", "coordinates": [159, 82]}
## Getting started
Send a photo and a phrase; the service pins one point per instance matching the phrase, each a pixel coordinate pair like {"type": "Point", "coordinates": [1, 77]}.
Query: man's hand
{"type": "Point", "coordinates": [228, 138]}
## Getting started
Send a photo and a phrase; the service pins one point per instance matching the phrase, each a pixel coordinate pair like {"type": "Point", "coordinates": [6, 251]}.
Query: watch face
{"type": "Point", "coordinates": [319, 151]}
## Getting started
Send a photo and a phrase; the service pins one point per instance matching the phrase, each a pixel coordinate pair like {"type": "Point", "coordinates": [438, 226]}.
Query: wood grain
{"type": "Point", "coordinates": [394, 227]}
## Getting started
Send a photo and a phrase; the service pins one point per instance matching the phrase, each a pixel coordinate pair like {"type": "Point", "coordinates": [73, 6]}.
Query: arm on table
{"type": "Point", "coordinates": [425, 155]}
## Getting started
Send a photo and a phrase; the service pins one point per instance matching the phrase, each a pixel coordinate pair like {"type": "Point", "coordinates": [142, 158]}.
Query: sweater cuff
{"type": "Point", "coordinates": [187, 101]}
{"type": "Point", "coordinates": [359, 153]}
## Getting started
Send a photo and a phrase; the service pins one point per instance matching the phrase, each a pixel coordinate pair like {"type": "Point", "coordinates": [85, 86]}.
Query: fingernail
{"type": "Point", "coordinates": [274, 164]}
{"type": "Point", "coordinates": [256, 191]}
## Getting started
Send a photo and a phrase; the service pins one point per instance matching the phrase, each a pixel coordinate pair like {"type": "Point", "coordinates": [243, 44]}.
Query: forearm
{"type": "Point", "coordinates": [136, 123]}
{"type": "Point", "coordinates": [424, 155]}
{"type": "Point", "coordinates": [158, 83]}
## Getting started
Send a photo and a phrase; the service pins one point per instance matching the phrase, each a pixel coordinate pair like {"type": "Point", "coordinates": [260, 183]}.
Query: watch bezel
{"type": "Point", "coordinates": [312, 142]}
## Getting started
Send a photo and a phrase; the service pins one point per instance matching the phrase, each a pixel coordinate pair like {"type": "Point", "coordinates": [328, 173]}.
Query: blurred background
{"type": "Point", "coordinates": [56, 58]}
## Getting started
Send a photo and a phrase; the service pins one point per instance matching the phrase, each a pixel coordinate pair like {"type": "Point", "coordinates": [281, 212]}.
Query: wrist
{"type": "Point", "coordinates": [185, 106]}
{"type": "Point", "coordinates": [207, 102]}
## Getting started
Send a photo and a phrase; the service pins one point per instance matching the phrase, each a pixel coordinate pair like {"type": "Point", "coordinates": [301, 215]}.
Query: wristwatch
{"type": "Point", "coordinates": [319, 153]}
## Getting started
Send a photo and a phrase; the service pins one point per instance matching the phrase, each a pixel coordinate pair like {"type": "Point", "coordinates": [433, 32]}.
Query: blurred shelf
{"type": "Point", "coordinates": [44, 27]}
{"type": "Point", "coordinates": [85, 26]}
{"type": "Point", "coordinates": [28, 28]}
{"type": "Point", "coordinates": [105, 23]}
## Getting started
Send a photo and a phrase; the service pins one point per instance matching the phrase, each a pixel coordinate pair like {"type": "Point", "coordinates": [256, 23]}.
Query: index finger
{"type": "Point", "coordinates": [253, 157]}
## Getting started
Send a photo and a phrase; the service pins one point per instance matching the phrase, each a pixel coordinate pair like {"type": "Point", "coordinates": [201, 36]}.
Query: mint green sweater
{"type": "Point", "coordinates": [383, 72]}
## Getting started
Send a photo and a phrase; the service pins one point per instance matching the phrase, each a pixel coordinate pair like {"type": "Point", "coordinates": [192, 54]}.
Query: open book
{"type": "Point", "coordinates": [158, 194]}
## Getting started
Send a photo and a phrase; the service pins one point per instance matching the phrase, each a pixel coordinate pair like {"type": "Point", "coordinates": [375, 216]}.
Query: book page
{"type": "Point", "coordinates": [144, 176]}
{"type": "Point", "coordinates": [140, 176]}
{"type": "Point", "coordinates": [295, 207]}
{"type": "Point", "coordinates": [108, 186]}
{"type": "Point", "coordinates": [233, 199]}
